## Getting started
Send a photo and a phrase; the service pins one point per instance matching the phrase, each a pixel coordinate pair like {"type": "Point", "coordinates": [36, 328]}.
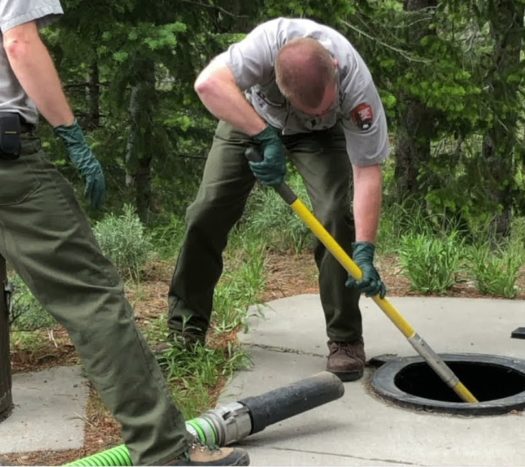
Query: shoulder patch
{"type": "Point", "coordinates": [363, 116]}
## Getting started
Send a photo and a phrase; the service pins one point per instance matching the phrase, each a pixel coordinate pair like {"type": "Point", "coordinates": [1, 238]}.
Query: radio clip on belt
{"type": "Point", "coordinates": [10, 129]}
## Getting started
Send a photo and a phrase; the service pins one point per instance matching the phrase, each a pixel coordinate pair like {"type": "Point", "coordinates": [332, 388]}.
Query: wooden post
{"type": "Point", "coordinates": [6, 399]}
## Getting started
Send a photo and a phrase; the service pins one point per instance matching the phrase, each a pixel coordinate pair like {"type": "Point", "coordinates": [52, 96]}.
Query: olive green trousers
{"type": "Point", "coordinates": [321, 159]}
{"type": "Point", "coordinates": [47, 239]}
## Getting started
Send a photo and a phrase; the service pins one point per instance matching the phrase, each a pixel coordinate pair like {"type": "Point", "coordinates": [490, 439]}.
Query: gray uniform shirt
{"type": "Point", "coordinates": [359, 108]}
{"type": "Point", "coordinates": [14, 13]}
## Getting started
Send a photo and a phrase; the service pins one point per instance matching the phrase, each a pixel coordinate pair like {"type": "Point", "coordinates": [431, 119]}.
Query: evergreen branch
{"type": "Point", "coordinates": [215, 7]}
{"type": "Point", "coordinates": [403, 53]}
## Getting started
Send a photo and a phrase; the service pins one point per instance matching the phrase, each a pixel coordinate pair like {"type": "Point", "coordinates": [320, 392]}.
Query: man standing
{"type": "Point", "coordinates": [301, 92]}
{"type": "Point", "coordinates": [47, 239]}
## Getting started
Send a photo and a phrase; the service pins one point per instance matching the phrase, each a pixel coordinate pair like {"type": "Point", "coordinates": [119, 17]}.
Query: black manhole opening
{"type": "Point", "coordinates": [497, 382]}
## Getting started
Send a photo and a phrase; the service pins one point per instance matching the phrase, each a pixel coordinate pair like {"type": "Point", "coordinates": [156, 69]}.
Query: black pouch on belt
{"type": "Point", "coordinates": [9, 136]}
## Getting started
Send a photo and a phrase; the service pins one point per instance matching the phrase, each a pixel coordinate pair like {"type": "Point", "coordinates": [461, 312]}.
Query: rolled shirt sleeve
{"type": "Point", "coordinates": [16, 12]}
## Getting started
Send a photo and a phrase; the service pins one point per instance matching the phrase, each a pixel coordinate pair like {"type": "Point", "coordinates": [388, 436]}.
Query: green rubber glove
{"type": "Point", "coordinates": [86, 163]}
{"type": "Point", "coordinates": [370, 284]}
{"type": "Point", "coordinates": [272, 169]}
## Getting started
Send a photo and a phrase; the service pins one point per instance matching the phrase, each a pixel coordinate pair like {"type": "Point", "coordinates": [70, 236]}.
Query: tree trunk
{"type": "Point", "coordinates": [94, 97]}
{"type": "Point", "coordinates": [498, 152]}
{"type": "Point", "coordinates": [413, 146]}
{"type": "Point", "coordinates": [6, 400]}
{"type": "Point", "coordinates": [415, 129]}
{"type": "Point", "coordinates": [141, 139]}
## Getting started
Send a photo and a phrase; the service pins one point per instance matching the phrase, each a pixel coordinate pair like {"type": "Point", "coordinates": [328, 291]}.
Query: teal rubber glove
{"type": "Point", "coordinates": [83, 159]}
{"type": "Point", "coordinates": [370, 284]}
{"type": "Point", "coordinates": [272, 169]}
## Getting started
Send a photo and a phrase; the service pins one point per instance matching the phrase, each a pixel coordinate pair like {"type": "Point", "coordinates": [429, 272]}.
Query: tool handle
{"type": "Point", "coordinates": [253, 154]}
{"type": "Point", "coordinates": [284, 191]}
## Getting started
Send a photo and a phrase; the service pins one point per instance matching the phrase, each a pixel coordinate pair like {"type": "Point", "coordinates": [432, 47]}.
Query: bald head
{"type": "Point", "coordinates": [304, 71]}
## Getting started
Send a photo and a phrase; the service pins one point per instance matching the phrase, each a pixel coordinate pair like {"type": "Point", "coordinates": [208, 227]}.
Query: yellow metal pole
{"type": "Point", "coordinates": [395, 316]}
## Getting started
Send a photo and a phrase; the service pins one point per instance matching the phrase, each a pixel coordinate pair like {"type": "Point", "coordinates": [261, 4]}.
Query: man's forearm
{"type": "Point", "coordinates": [368, 185]}
{"type": "Point", "coordinates": [220, 94]}
{"type": "Point", "coordinates": [36, 72]}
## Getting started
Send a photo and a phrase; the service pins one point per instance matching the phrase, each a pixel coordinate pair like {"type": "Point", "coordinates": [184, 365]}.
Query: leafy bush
{"type": "Point", "coordinates": [431, 263]}
{"type": "Point", "coordinates": [123, 239]}
{"type": "Point", "coordinates": [26, 312]}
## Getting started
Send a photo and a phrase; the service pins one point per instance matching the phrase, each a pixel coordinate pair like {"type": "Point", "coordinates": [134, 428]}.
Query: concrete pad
{"type": "Point", "coordinates": [49, 411]}
{"type": "Point", "coordinates": [288, 343]}
{"type": "Point", "coordinates": [449, 325]}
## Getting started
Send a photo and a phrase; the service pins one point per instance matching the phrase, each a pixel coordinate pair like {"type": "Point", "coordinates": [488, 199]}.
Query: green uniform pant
{"type": "Point", "coordinates": [46, 237]}
{"type": "Point", "coordinates": [321, 159]}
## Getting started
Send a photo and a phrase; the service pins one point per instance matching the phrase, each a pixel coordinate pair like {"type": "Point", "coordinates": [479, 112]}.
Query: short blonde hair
{"type": "Point", "coordinates": [303, 70]}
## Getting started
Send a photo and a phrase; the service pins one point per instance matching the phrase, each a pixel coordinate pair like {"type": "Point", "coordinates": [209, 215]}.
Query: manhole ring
{"type": "Point", "coordinates": [497, 382]}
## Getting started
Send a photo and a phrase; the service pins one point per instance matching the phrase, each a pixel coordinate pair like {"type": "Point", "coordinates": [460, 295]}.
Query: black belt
{"type": "Point", "coordinates": [26, 127]}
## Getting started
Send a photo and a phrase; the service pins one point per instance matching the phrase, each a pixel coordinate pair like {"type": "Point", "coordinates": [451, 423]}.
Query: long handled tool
{"type": "Point", "coordinates": [421, 347]}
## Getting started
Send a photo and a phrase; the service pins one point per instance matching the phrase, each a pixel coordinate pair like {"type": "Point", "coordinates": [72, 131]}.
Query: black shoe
{"type": "Point", "coordinates": [200, 454]}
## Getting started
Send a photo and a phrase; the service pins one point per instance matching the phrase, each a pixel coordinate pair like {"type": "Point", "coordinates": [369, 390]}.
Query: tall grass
{"type": "Point", "coordinates": [167, 237]}
{"type": "Point", "coordinates": [400, 219]}
{"type": "Point", "coordinates": [496, 271]}
{"type": "Point", "coordinates": [496, 264]}
{"type": "Point", "coordinates": [411, 217]}
{"type": "Point", "coordinates": [242, 283]}
{"type": "Point", "coordinates": [267, 214]}
{"type": "Point", "coordinates": [431, 263]}
{"type": "Point", "coordinates": [433, 250]}
{"type": "Point", "coordinates": [194, 373]}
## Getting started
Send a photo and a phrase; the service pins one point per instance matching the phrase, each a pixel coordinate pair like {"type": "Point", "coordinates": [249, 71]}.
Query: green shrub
{"type": "Point", "coordinates": [431, 263]}
{"type": "Point", "coordinates": [496, 270]}
{"type": "Point", "coordinates": [26, 312]}
{"type": "Point", "coordinates": [123, 239]}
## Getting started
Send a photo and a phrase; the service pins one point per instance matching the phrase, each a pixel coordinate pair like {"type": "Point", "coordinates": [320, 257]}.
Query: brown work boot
{"type": "Point", "coordinates": [346, 359]}
{"type": "Point", "coordinates": [200, 454]}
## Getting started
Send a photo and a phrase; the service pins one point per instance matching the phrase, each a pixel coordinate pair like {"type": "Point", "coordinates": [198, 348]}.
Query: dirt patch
{"type": "Point", "coordinates": [289, 275]}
